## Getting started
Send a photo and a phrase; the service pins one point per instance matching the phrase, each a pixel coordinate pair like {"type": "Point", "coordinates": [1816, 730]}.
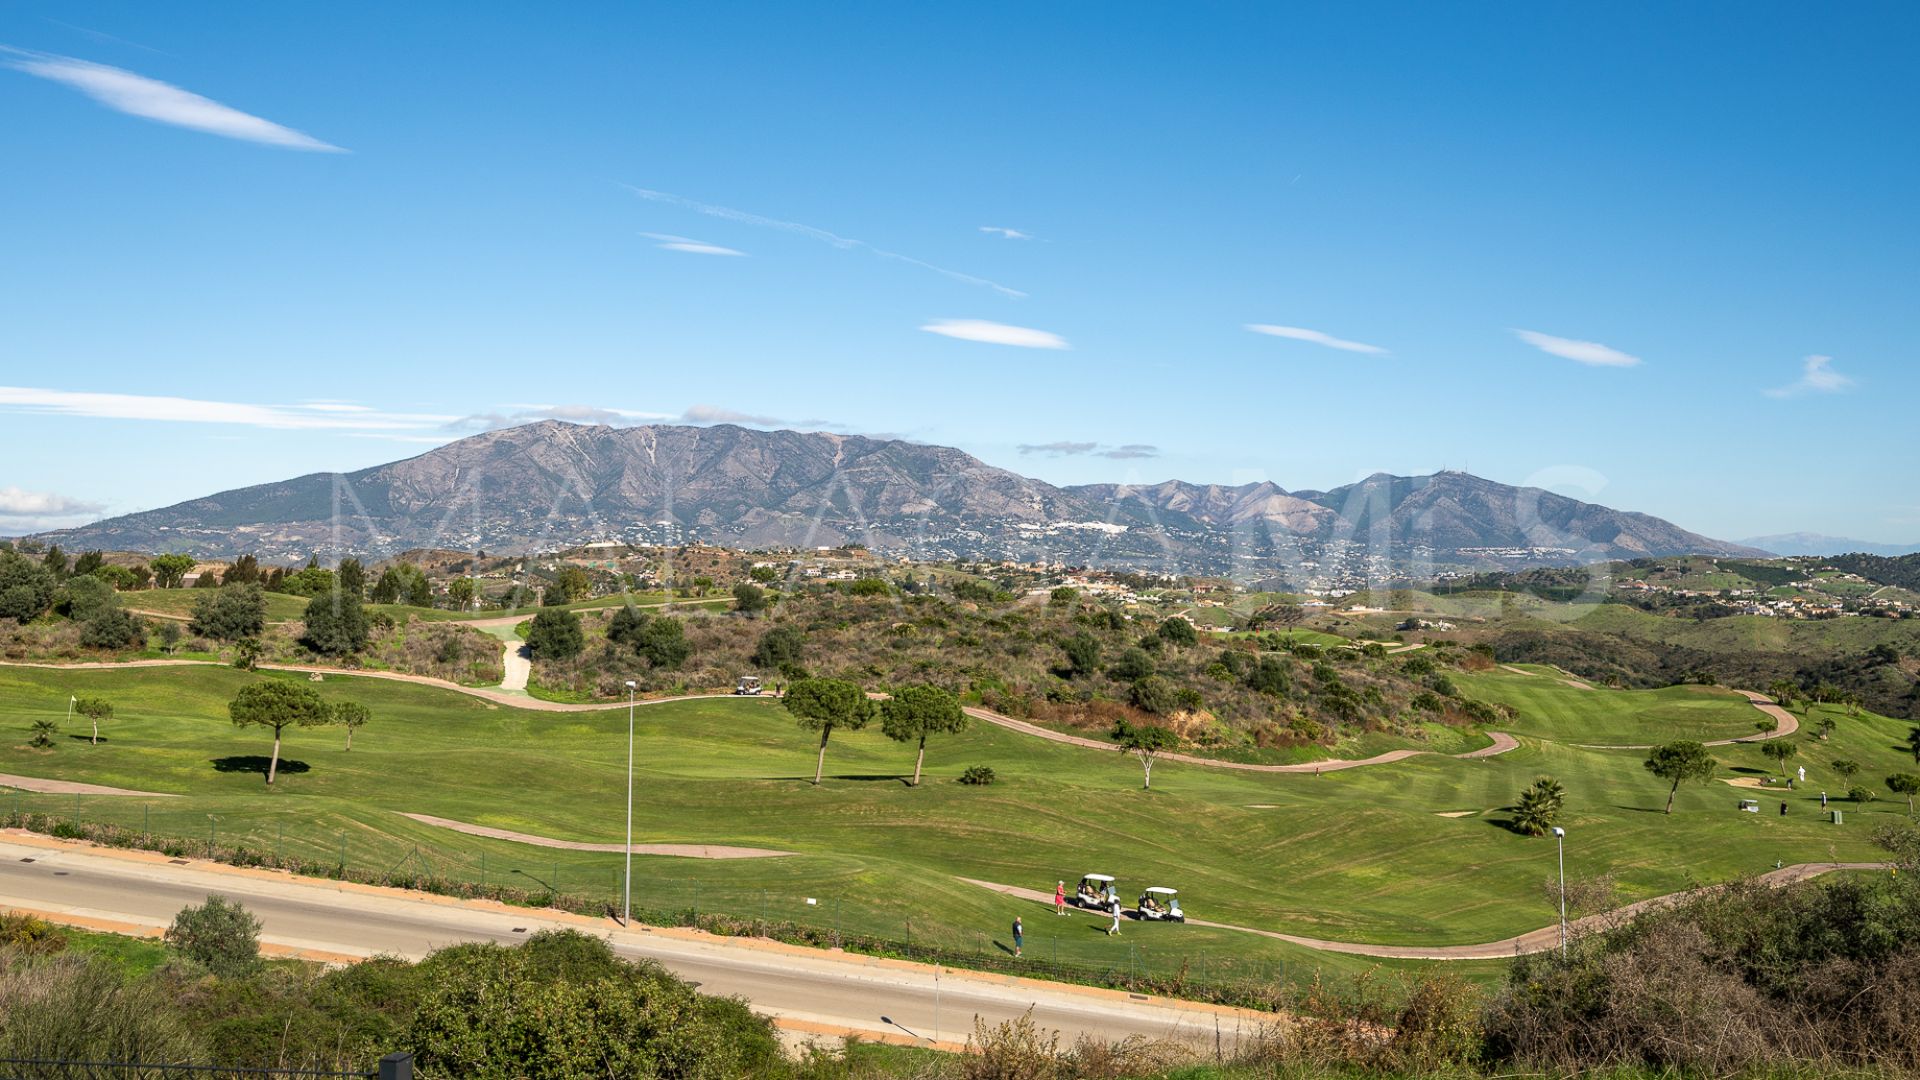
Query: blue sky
{"type": "Point", "coordinates": [343, 234]}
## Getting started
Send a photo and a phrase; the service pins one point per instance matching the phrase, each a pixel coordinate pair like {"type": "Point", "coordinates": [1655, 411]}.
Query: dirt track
{"type": "Point", "coordinates": [686, 851]}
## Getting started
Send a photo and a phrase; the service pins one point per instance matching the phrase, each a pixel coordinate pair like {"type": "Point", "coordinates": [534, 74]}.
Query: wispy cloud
{"type": "Point", "coordinates": [669, 242]}
{"type": "Point", "coordinates": [1296, 333]}
{"type": "Point", "coordinates": [1002, 231]}
{"type": "Point", "coordinates": [993, 333]}
{"type": "Point", "coordinates": [18, 502]}
{"type": "Point", "coordinates": [151, 99]}
{"type": "Point", "coordinates": [1816, 377]}
{"type": "Point", "coordinates": [1090, 449]}
{"type": "Point", "coordinates": [517, 414]}
{"type": "Point", "coordinates": [714, 414]}
{"type": "Point", "coordinates": [317, 416]}
{"type": "Point", "coordinates": [727, 213]}
{"type": "Point", "coordinates": [1591, 353]}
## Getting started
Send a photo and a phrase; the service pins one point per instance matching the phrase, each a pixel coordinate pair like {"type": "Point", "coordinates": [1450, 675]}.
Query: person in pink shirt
{"type": "Point", "coordinates": [1060, 899]}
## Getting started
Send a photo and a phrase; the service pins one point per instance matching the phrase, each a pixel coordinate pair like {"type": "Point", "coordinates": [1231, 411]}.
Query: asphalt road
{"type": "Point", "coordinates": [809, 986]}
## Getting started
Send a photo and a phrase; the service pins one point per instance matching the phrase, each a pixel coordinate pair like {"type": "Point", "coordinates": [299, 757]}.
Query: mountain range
{"type": "Point", "coordinates": [553, 484]}
{"type": "Point", "coordinates": [1802, 543]}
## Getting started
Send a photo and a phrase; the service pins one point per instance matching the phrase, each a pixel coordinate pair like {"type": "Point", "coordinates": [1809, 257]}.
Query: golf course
{"type": "Point", "coordinates": [1416, 851]}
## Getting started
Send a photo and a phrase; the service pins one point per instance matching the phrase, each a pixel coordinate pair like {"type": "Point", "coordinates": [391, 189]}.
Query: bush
{"type": "Point", "coordinates": [336, 624]}
{"type": "Point", "coordinates": [555, 634]}
{"type": "Point", "coordinates": [77, 1007]}
{"type": "Point", "coordinates": [232, 613]}
{"type": "Point", "coordinates": [26, 587]}
{"type": "Point", "coordinates": [219, 935]}
{"type": "Point", "coordinates": [977, 775]}
{"type": "Point", "coordinates": [1861, 794]}
{"type": "Point", "coordinates": [112, 628]}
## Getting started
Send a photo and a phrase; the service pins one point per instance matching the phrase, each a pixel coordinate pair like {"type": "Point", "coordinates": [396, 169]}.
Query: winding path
{"type": "Point", "coordinates": [1532, 941]}
{"type": "Point", "coordinates": [1502, 743]}
{"type": "Point", "coordinates": [685, 851]}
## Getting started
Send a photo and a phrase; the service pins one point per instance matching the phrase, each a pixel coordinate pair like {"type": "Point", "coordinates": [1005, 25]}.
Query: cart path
{"type": "Point", "coordinates": [74, 787]}
{"type": "Point", "coordinates": [1533, 941]}
{"type": "Point", "coordinates": [685, 851]}
{"type": "Point", "coordinates": [1502, 743]}
{"type": "Point", "coordinates": [1785, 724]}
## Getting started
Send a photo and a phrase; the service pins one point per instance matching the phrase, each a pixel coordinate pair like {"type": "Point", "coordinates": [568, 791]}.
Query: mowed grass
{"type": "Point", "coordinates": [1359, 855]}
{"type": "Point", "coordinates": [1548, 708]}
{"type": "Point", "coordinates": [178, 603]}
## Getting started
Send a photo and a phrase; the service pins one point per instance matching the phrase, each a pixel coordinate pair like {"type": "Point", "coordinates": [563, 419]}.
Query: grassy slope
{"type": "Point", "coordinates": [1550, 709]}
{"type": "Point", "coordinates": [280, 606]}
{"type": "Point", "coordinates": [1359, 855]}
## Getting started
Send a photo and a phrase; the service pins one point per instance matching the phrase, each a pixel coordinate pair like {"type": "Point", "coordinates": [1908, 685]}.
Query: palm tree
{"type": "Point", "coordinates": [1539, 806]}
{"type": "Point", "coordinates": [43, 733]}
{"type": "Point", "coordinates": [1784, 692]}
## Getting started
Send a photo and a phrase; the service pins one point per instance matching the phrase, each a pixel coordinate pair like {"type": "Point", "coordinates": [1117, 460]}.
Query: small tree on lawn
{"type": "Point", "coordinates": [919, 711]}
{"type": "Point", "coordinates": [1146, 742]}
{"type": "Point", "coordinates": [220, 935]}
{"type": "Point", "coordinates": [1847, 770]}
{"type": "Point", "coordinates": [1538, 808]}
{"type": "Point", "coordinates": [824, 705]}
{"type": "Point", "coordinates": [43, 732]}
{"type": "Point", "coordinates": [1782, 751]}
{"type": "Point", "coordinates": [1678, 762]}
{"type": "Point", "coordinates": [95, 710]}
{"type": "Point", "coordinates": [278, 705]}
{"type": "Point", "coordinates": [350, 715]}
{"type": "Point", "coordinates": [1904, 783]}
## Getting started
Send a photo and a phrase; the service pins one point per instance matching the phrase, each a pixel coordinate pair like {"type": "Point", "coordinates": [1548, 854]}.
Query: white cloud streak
{"type": "Point", "coordinates": [727, 213]}
{"type": "Point", "coordinates": [1816, 377]}
{"type": "Point", "coordinates": [1296, 333]}
{"type": "Point", "coordinates": [669, 242]}
{"type": "Point", "coordinates": [1006, 233]}
{"type": "Point", "coordinates": [1076, 449]}
{"type": "Point", "coordinates": [993, 333]}
{"type": "Point", "coordinates": [322, 416]}
{"type": "Point", "coordinates": [1591, 353]}
{"type": "Point", "coordinates": [151, 99]}
{"type": "Point", "coordinates": [17, 502]}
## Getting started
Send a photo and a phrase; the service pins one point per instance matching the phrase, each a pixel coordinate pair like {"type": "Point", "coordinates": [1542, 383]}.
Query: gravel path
{"type": "Point", "coordinates": [685, 851]}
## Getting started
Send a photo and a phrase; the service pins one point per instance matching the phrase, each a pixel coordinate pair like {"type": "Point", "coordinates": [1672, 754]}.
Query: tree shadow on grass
{"type": "Point", "coordinates": [858, 778]}
{"type": "Point", "coordinates": [257, 763]}
{"type": "Point", "coordinates": [88, 738]}
{"type": "Point", "coordinates": [1641, 809]}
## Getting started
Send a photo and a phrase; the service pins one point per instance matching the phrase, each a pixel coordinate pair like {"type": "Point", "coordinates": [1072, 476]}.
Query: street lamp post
{"type": "Point", "coordinates": [1560, 838]}
{"type": "Point", "coordinates": [626, 898]}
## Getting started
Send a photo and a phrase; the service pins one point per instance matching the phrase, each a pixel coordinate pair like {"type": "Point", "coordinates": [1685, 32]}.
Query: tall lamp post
{"type": "Point", "coordinates": [1560, 838]}
{"type": "Point", "coordinates": [626, 897]}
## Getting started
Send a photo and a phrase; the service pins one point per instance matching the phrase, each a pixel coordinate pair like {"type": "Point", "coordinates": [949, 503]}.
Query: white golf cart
{"type": "Point", "coordinates": [1093, 892]}
{"type": "Point", "coordinates": [748, 686]}
{"type": "Point", "coordinates": [1159, 904]}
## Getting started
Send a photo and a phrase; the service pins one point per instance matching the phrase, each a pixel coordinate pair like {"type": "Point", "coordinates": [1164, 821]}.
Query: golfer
{"type": "Point", "coordinates": [1060, 899]}
{"type": "Point", "coordinates": [1114, 907]}
{"type": "Point", "coordinates": [1019, 937]}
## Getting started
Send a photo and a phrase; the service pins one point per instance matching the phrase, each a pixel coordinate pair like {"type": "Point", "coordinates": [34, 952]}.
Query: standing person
{"type": "Point", "coordinates": [1060, 899]}
{"type": "Point", "coordinates": [1019, 938]}
{"type": "Point", "coordinates": [1113, 906]}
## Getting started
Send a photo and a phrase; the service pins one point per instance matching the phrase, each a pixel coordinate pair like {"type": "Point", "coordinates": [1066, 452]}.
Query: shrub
{"type": "Point", "coordinates": [555, 634]}
{"type": "Point", "coordinates": [232, 613]}
{"type": "Point", "coordinates": [1861, 794]}
{"type": "Point", "coordinates": [219, 935]}
{"type": "Point", "coordinates": [977, 775]}
{"type": "Point", "coordinates": [112, 628]}
{"type": "Point", "coordinates": [336, 624]}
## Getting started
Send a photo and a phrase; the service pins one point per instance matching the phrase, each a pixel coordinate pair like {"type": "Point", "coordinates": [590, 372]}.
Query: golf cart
{"type": "Point", "coordinates": [1093, 892]}
{"type": "Point", "coordinates": [748, 686]}
{"type": "Point", "coordinates": [1161, 904]}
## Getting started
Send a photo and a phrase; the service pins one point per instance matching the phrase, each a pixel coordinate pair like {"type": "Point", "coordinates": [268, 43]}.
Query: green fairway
{"type": "Point", "coordinates": [1551, 709]}
{"type": "Point", "coordinates": [179, 603]}
{"type": "Point", "coordinates": [1360, 855]}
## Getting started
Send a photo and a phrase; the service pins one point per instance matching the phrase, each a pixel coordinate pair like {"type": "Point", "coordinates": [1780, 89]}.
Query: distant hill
{"type": "Point", "coordinates": [1802, 543]}
{"type": "Point", "coordinates": [554, 484]}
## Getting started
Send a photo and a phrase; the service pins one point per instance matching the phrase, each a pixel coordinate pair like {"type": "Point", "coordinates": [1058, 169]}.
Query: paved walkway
{"type": "Point", "coordinates": [1502, 743]}
{"type": "Point", "coordinates": [74, 787]}
{"type": "Point", "coordinates": [685, 851]}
